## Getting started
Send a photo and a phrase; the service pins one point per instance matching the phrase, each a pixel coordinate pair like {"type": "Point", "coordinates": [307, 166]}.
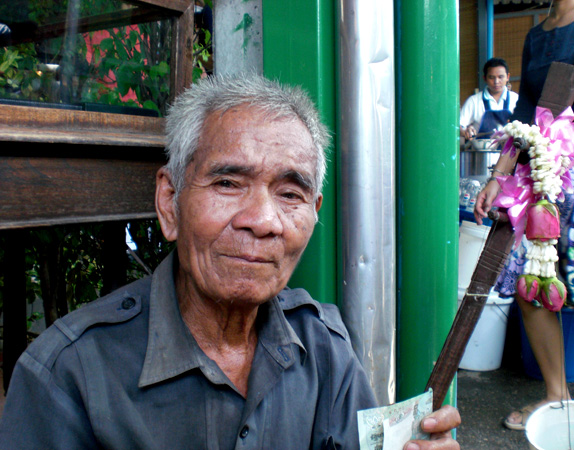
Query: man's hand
{"type": "Point", "coordinates": [439, 424]}
{"type": "Point", "coordinates": [469, 132]}
{"type": "Point", "coordinates": [484, 200]}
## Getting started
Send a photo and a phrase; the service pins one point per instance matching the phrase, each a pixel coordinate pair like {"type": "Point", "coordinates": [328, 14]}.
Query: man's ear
{"type": "Point", "coordinates": [165, 204]}
{"type": "Point", "coordinates": [318, 203]}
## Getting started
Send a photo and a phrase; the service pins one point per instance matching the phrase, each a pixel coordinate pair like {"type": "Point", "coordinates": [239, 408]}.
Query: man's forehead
{"type": "Point", "coordinates": [247, 132]}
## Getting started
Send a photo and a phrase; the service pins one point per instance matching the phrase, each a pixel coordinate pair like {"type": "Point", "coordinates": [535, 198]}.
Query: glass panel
{"type": "Point", "coordinates": [97, 55]}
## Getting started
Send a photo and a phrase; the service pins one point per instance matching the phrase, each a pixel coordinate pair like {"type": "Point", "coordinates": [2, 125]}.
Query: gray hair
{"type": "Point", "coordinates": [220, 93]}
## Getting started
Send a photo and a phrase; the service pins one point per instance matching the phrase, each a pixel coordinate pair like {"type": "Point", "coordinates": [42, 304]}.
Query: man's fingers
{"type": "Point", "coordinates": [445, 419]}
{"type": "Point", "coordinates": [443, 443]}
{"type": "Point", "coordinates": [439, 424]}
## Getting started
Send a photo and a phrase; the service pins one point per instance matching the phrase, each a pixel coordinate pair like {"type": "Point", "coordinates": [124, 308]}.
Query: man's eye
{"type": "Point", "coordinates": [224, 183]}
{"type": "Point", "coordinates": [291, 196]}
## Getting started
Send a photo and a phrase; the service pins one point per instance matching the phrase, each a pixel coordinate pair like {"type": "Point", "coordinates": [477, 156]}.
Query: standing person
{"type": "Point", "coordinates": [552, 40]}
{"type": "Point", "coordinates": [212, 351]}
{"type": "Point", "coordinates": [485, 111]}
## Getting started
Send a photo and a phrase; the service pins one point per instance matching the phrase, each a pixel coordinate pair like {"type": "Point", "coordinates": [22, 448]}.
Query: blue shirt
{"type": "Point", "coordinates": [541, 48]}
{"type": "Point", "coordinates": [124, 372]}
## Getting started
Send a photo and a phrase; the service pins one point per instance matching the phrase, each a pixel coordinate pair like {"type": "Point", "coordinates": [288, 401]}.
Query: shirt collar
{"type": "Point", "coordinates": [172, 349]}
{"type": "Point", "coordinates": [489, 97]}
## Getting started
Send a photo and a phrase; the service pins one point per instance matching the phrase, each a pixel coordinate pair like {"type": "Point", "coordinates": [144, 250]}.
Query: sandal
{"type": "Point", "coordinates": [524, 415]}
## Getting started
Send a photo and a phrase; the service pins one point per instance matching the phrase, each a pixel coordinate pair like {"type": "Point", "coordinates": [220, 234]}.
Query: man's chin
{"type": "Point", "coordinates": [249, 294]}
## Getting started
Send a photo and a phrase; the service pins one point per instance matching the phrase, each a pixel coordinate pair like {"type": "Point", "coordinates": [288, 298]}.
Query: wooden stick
{"type": "Point", "coordinates": [487, 269]}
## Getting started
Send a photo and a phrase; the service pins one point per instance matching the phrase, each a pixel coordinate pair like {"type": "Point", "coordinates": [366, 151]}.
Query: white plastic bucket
{"type": "Point", "coordinates": [471, 241]}
{"type": "Point", "coordinates": [486, 344]}
{"type": "Point", "coordinates": [547, 427]}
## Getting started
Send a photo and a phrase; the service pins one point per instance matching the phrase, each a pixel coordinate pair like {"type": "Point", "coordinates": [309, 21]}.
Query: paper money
{"type": "Point", "coordinates": [391, 427]}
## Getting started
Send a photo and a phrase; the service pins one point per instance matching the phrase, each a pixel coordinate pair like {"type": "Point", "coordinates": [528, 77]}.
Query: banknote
{"type": "Point", "coordinates": [390, 427]}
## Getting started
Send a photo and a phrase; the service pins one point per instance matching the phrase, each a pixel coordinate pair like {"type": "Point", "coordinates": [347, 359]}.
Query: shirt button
{"type": "Point", "coordinates": [128, 303]}
{"type": "Point", "coordinates": [244, 432]}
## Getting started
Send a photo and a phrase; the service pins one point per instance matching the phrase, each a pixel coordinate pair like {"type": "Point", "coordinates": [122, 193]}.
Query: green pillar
{"type": "Point", "coordinates": [299, 48]}
{"type": "Point", "coordinates": [428, 165]}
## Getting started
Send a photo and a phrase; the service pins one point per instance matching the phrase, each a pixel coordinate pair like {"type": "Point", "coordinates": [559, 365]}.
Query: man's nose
{"type": "Point", "coordinates": [260, 214]}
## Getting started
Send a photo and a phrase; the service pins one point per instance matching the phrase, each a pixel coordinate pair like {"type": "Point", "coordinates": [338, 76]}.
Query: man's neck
{"type": "Point", "coordinates": [225, 332]}
{"type": "Point", "coordinates": [496, 97]}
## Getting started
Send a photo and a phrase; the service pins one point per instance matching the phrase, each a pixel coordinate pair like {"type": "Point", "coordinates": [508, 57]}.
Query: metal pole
{"type": "Point", "coordinates": [483, 52]}
{"type": "Point", "coordinates": [428, 110]}
{"type": "Point", "coordinates": [489, 29]}
{"type": "Point", "coordinates": [367, 209]}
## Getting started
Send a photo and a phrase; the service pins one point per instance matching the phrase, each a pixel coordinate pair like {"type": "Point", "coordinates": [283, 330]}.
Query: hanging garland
{"type": "Point", "coordinates": [530, 196]}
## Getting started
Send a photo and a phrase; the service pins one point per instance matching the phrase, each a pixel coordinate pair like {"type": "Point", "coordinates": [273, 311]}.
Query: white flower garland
{"type": "Point", "coordinates": [546, 173]}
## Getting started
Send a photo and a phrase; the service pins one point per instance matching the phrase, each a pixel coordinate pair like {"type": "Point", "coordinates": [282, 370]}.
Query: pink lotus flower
{"type": "Point", "coordinates": [552, 294]}
{"type": "Point", "coordinates": [528, 287]}
{"type": "Point", "coordinates": [543, 221]}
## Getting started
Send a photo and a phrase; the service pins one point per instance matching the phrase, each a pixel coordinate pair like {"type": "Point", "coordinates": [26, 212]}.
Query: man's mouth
{"type": "Point", "coordinates": [252, 258]}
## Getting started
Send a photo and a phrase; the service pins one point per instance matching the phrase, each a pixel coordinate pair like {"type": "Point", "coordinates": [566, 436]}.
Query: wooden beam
{"type": "Point", "coordinates": [38, 191]}
{"type": "Point", "coordinates": [179, 6]}
{"type": "Point", "coordinates": [97, 22]}
{"type": "Point", "coordinates": [29, 124]}
{"type": "Point", "coordinates": [143, 12]}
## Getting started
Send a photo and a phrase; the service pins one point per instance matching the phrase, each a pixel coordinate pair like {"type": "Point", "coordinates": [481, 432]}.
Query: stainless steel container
{"type": "Point", "coordinates": [477, 157]}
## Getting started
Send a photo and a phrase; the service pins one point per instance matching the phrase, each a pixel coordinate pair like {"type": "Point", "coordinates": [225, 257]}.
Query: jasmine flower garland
{"type": "Point", "coordinates": [547, 166]}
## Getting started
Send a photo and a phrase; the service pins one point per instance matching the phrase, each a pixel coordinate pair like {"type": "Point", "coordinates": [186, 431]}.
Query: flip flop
{"type": "Point", "coordinates": [524, 413]}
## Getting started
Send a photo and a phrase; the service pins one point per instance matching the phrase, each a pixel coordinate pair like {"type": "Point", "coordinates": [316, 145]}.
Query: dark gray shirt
{"type": "Point", "coordinates": [124, 372]}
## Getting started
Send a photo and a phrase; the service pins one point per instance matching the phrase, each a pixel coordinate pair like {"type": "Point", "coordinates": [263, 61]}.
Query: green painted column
{"type": "Point", "coordinates": [428, 167]}
{"type": "Point", "coordinates": [299, 48]}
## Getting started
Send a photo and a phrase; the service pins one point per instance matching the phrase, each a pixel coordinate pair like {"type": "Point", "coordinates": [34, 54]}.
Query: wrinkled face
{"type": "Point", "coordinates": [248, 207]}
{"type": "Point", "coordinates": [496, 79]}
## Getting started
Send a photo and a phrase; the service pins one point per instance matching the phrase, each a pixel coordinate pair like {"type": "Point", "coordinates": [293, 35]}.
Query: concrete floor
{"type": "Point", "coordinates": [486, 398]}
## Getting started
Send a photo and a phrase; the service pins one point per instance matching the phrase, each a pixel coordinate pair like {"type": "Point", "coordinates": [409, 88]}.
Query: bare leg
{"type": "Point", "coordinates": [543, 331]}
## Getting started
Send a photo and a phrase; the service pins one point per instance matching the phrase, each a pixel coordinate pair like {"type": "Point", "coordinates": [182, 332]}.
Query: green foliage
{"type": "Point", "coordinates": [131, 60]}
{"type": "Point", "coordinates": [20, 74]}
{"type": "Point", "coordinates": [34, 317]}
{"type": "Point", "coordinates": [82, 253]}
{"type": "Point", "coordinates": [128, 67]}
{"type": "Point", "coordinates": [201, 55]}
{"type": "Point", "coordinates": [79, 249]}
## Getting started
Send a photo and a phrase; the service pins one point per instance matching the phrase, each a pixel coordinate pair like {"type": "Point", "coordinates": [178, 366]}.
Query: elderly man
{"type": "Point", "coordinates": [212, 352]}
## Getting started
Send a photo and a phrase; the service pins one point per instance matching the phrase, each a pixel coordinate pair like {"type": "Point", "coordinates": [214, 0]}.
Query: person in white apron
{"type": "Point", "coordinates": [493, 119]}
{"type": "Point", "coordinates": [485, 111]}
